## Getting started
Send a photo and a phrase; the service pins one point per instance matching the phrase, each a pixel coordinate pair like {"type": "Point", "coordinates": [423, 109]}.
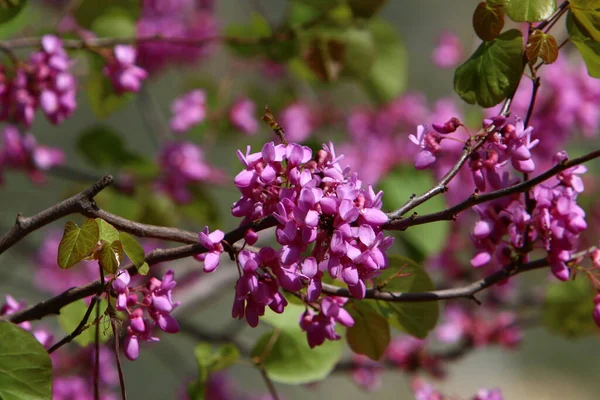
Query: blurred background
{"type": "Point", "coordinates": [544, 366]}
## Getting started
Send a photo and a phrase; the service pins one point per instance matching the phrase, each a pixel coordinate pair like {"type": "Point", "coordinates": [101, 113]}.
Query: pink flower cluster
{"type": "Point", "coordinates": [241, 116]}
{"type": "Point", "coordinates": [462, 325]}
{"type": "Point", "coordinates": [188, 110]}
{"type": "Point", "coordinates": [506, 143]}
{"type": "Point", "coordinates": [182, 165]}
{"type": "Point", "coordinates": [426, 391]}
{"type": "Point", "coordinates": [320, 208]}
{"type": "Point", "coordinates": [554, 224]}
{"type": "Point", "coordinates": [44, 81]}
{"type": "Point", "coordinates": [156, 302]}
{"type": "Point", "coordinates": [180, 20]}
{"type": "Point", "coordinates": [122, 71]}
{"type": "Point", "coordinates": [22, 152]}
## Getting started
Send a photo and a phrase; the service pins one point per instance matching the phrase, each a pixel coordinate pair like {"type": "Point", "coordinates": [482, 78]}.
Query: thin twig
{"type": "Point", "coordinates": [466, 292]}
{"type": "Point", "coordinates": [78, 329]}
{"type": "Point", "coordinates": [441, 186]}
{"type": "Point", "coordinates": [451, 213]}
{"type": "Point", "coordinates": [268, 382]}
{"type": "Point", "coordinates": [113, 325]}
{"type": "Point", "coordinates": [97, 360]}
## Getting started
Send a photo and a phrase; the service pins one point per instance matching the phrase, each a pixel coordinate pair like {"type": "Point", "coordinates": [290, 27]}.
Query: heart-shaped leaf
{"type": "Point", "coordinates": [493, 72]}
{"type": "Point", "coordinates": [529, 10]}
{"type": "Point", "coordinates": [133, 249]}
{"type": "Point", "coordinates": [77, 243]}
{"type": "Point", "coordinates": [108, 233]}
{"type": "Point", "coordinates": [404, 275]}
{"type": "Point", "coordinates": [110, 256]}
{"type": "Point", "coordinates": [488, 21]}
{"type": "Point", "coordinates": [9, 9]}
{"type": "Point", "coordinates": [541, 45]}
{"type": "Point", "coordinates": [587, 47]}
{"type": "Point", "coordinates": [290, 360]}
{"type": "Point", "coordinates": [25, 366]}
{"type": "Point", "coordinates": [370, 334]}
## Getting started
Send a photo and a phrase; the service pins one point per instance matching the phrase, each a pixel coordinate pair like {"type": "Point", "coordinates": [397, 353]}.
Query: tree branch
{"type": "Point", "coordinates": [54, 304]}
{"type": "Point", "coordinates": [80, 203]}
{"type": "Point", "coordinates": [467, 292]}
{"type": "Point", "coordinates": [451, 213]}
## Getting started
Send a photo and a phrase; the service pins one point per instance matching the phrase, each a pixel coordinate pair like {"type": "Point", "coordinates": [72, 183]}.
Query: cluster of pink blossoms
{"type": "Point", "coordinates": [44, 81]}
{"type": "Point", "coordinates": [182, 164]}
{"type": "Point", "coordinates": [122, 71]}
{"type": "Point", "coordinates": [178, 19]}
{"type": "Point", "coordinates": [426, 391]}
{"type": "Point", "coordinates": [321, 209]}
{"type": "Point", "coordinates": [554, 224]}
{"type": "Point", "coordinates": [22, 152]}
{"type": "Point", "coordinates": [555, 221]}
{"type": "Point", "coordinates": [156, 302]}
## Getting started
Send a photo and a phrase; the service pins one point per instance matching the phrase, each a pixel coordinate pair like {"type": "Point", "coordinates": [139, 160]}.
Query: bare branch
{"type": "Point", "coordinates": [79, 203]}
{"type": "Point", "coordinates": [467, 292]}
{"type": "Point", "coordinates": [451, 213]}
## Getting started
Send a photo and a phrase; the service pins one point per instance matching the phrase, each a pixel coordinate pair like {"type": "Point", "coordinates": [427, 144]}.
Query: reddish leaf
{"type": "Point", "coordinates": [541, 45]}
{"type": "Point", "coordinates": [488, 21]}
{"type": "Point", "coordinates": [325, 58]}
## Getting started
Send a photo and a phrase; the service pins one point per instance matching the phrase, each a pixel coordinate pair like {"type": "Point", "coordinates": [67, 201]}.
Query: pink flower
{"type": "Point", "coordinates": [449, 51]}
{"type": "Point", "coordinates": [188, 110]}
{"type": "Point", "coordinates": [122, 71]}
{"type": "Point", "coordinates": [242, 116]}
{"type": "Point", "coordinates": [212, 243]}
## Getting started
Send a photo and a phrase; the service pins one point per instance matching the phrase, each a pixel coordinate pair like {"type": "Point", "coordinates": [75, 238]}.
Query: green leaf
{"type": "Point", "coordinates": [387, 76]}
{"type": "Point", "coordinates": [399, 186]}
{"type": "Point", "coordinates": [290, 359]}
{"type": "Point", "coordinates": [110, 256]}
{"type": "Point", "coordinates": [366, 8]}
{"type": "Point", "coordinates": [102, 146]}
{"type": "Point", "coordinates": [9, 9]}
{"type": "Point", "coordinates": [493, 72]}
{"type": "Point", "coordinates": [25, 366]}
{"type": "Point", "coordinates": [257, 29]}
{"type": "Point", "coordinates": [133, 249]}
{"type": "Point", "coordinates": [488, 21]}
{"type": "Point", "coordinates": [529, 10]}
{"type": "Point", "coordinates": [404, 275]}
{"type": "Point", "coordinates": [108, 233]}
{"type": "Point", "coordinates": [587, 15]}
{"type": "Point", "coordinates": [587, 47]}
{"type": "Point", "coordinates": [208, 360]}
{"type": "Point", "coordinates": [114, 22]}
{"type": "Point", "coordinates": [71, 315]}
{"type": "Point", "coordinates": [88, 11]}
{"type": "Point", "coordinates": [321, 5]}
{"type": "Point", "coordinates": [144, 269]}
{"type": "Point", "coordinates": [286, 320]}
{"type": "Point", "coordinates": [360, 52]}
{"type": "Point", "coordinates": [568, 308]}
{"type": "Point", "coordinates": [100, 91]}
{"type": "Point", "coordinates": [370, 334]}
{"type": "Point", "coordinates": [28, 16]}
{"type": "Point", "coordinates": [77, 243]}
